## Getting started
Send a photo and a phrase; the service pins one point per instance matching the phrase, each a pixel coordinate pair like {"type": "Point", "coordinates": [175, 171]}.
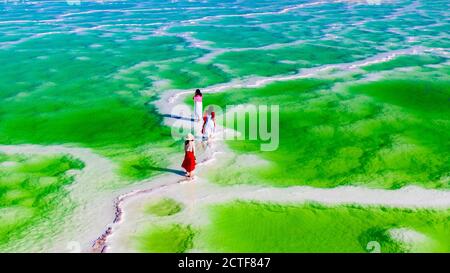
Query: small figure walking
{"type": "Point", "coordinates": [209, 124]}
{"type": "Point", "coordinates": [198, 105]}
{"type": "Point", "coordinates": [189, 155]}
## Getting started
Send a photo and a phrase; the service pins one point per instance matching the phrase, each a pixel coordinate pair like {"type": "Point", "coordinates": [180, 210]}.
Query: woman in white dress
{"type": "Point", "coordinates": [209, 125]}
{"type": "Point", "coordinates": [198, 105]}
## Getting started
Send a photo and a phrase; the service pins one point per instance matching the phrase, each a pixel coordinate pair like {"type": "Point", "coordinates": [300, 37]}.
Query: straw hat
{"type": "Point", "coordinates": [189, 137]}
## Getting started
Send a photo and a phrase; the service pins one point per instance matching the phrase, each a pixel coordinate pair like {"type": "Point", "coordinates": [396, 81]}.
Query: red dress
{"type": "Point", "coordinates": [189, 161]}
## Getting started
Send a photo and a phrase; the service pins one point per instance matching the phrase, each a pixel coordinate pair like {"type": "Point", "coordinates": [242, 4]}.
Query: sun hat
{"type": "Point", "coordinates": [189, 137]}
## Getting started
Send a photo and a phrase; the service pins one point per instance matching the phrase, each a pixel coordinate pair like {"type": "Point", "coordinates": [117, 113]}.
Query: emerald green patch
{"type": "Point", "coordinates": [163, 207]}
{"type": "Point", "coordinates": [31, 191]}
{"type": "Point", "coordinates": [263, 227]}
{"type": "Point", "coordinates": [173, 238]}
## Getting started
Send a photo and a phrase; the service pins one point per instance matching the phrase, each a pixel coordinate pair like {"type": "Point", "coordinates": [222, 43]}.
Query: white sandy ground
{"type": "Point", "coordinates": [119, 212]}
{"type": "Point", "coordinates": [411, 240]}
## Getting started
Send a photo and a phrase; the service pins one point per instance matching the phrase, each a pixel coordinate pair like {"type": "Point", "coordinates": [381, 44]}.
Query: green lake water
{"type": "Point", "coordinates": [86, 76]}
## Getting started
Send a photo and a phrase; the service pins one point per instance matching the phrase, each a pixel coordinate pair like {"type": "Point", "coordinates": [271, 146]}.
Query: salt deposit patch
{"type": "Point", "coordinates": [8, 164]}
{"type": "Point", "coordinates": [411, 240]}
{"type": "Point", "coordinates": [95, 45]}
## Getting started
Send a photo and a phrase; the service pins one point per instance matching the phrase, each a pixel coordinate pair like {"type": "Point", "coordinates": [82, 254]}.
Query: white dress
{"type": "Point", "coordinates": [209, 127]}
{"type": "Point", "coordinates": [198, 110]}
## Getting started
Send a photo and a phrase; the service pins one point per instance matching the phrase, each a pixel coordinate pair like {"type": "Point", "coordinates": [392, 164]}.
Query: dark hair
{"type": "Point", "coordinates": [198, 92]}
{"type": "Point", "coordinates": [186, 142]}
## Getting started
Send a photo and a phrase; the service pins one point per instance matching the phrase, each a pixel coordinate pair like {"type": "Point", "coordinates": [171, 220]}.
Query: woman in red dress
{"type": "Point", "coordinates": [189, 155]}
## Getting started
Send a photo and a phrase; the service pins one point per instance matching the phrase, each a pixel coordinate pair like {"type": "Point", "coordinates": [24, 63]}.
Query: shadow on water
{"type": "Point", "coordinates": [167, 170]}
{"type": "Point", "coordinates": [152, 111]}
{"type": "Point", "coordinates": [177, 117]}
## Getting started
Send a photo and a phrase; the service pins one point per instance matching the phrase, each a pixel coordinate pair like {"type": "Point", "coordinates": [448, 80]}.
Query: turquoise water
{"type": "Point", "coordinates": [85, 75]}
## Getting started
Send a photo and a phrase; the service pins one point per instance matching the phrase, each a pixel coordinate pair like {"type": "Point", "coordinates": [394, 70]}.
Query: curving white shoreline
{"type": "Point", "coordinates": [256, 81]}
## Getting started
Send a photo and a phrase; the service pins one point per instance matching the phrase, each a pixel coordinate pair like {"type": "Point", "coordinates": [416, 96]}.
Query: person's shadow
{"type": "Point", "coordinates": [177, 117]}
{"type": "Point", "coordinates": [167, 170]}
{"type": "Point", "coordinates": [148, 104]}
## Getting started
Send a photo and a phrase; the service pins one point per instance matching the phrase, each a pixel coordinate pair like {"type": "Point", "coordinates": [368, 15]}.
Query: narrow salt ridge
{"type": "Point", "coordinates": [282, 11]}
{"type": "Point", "coordinates": [4, 45]}
{"type": "Point", "coordinates": [255, 82]}
{"type": "Point", "coordinates": [130, 10]}
{"type": "Point", "coordinates": [218, 51]}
